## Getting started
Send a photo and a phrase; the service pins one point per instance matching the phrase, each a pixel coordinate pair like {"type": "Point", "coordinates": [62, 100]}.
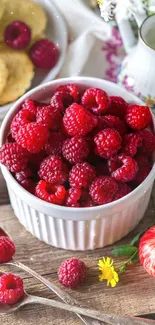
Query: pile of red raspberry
{"type": "Point", "coordinates": [82, 149]}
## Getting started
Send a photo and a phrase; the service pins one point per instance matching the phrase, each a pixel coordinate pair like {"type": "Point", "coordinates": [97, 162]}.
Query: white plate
{"type": "Point", "coordinates": [56, 31]}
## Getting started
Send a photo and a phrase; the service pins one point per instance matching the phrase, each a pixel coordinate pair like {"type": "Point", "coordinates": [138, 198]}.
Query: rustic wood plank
{"type": "Point", "coordinates": [4, 198]}
{"type": "Point", "coordinates": [133, 295]}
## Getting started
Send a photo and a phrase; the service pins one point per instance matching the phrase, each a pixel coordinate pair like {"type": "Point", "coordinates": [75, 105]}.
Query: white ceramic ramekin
{"type": "Point", "coordinates": [74, 228]}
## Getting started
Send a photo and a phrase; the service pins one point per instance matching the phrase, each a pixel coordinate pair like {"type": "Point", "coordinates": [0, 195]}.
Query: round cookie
{"type": "Point", "coordinates": [3, 75]}
{"type": "Point", "coordinates": [31, 13]}
{"type": "Point", "coordinates": [21, 72]}
{"type": "Point", "coordinates": [2, 8]}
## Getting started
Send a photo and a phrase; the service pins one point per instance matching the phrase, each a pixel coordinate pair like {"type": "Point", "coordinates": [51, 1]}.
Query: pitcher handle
{"type": "Point", "coordinates": [126, 32]}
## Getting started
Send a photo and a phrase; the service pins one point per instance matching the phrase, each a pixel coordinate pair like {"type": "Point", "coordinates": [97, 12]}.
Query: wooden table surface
{"type": "Point", "coordinates": [135, 293]}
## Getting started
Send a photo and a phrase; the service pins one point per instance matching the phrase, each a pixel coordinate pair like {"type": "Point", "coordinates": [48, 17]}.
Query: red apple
{"type": "Point", "coordinates": [147, 251]}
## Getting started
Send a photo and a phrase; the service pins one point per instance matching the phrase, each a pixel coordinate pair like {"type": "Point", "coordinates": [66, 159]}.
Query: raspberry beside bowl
{"type": "Point", "coordinates": [78, 228]}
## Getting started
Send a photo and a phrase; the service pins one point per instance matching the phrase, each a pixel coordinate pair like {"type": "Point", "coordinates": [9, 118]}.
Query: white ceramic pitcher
{"type": "Point", "coordinates": [137, 72]}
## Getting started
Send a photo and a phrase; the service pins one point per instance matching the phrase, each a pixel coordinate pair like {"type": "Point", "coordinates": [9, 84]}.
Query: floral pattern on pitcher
{"type": "Point", "coordinates": [114, 53]}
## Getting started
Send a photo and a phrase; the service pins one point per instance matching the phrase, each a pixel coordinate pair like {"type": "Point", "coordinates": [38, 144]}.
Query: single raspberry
{"type": "Point", "coordinates": [81, 175]}
{"type": "Point", "coordinates": [123, 168]}
{"type": "Point", "coordinates": [102, 168]}
{"type": "Point", "coordinates": [72, 197]}
{"type": "Point", "coordinates": [61, 100]}
{"type": "Point", "coordinates": [51, 193]}
{"type": "Point", "coordinates": [32, 105]}
{"type": "Point", "coordinates": [7, 249]}
{"type": "Point", "coordinates": [44, 54]}
{"type": "Point", "coordinates": [85, 200]}
{"type": "Point", "coordinates": [49, 117]}
{"type": "Point", "coordinates": [78, 121]}
{"type": "Point", "coordinates": [75, 150]}
{"type": "Point", "coordinates": [22, 118]}
{"type": "Point", "coordinates": [117, 107]}
{"type": "Point", "coordinates": [103, 190]}
{"type": "Point", "coordinates": [123, 189]}
{"type": "Point", "coordinates": [112, 122]}
{"type": "Point", "coordinates": [131, 143]}
{"type": "Point", "coordinates": [72, 273]}
{"type": "Point", "coordinates": [148, 142]}
{"type": "Point", "coordinates": [54, 144]}
{"type": "Point", "coordinates": [33, 137]}
{"type": "Point", "coordinates": [71, 89]}
{"type": "Point", "coordinates": [96, 100]}
{"type": "Point", "coordinates": [53, 170]}
{"type": "Point", "coordinates": [17, 35]}
{"type": "Point", "coordinates": [25, 179]}
{"type": "Point", "coordinates": [107, 142]}
{"type": "Point", "coordinates": [144, 168]}
{"type": "Point", "coordinates": [138, 117]}
{"type": "Point", "coordinates": [11, 289]}
{"type": "Point", "coordinates": [14, 157]}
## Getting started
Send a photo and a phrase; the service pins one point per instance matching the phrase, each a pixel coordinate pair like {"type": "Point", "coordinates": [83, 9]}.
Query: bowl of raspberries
{"type": "Point", "coordinates": [77, 157]}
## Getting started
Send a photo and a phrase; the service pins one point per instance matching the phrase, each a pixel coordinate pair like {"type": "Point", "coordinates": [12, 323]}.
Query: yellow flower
{"type": "Point", "coordinates": [150, 101]}
{"type": "Point", "coordinates": [100, 2]}
{"type": "Point", "coordinates": [108, 272]}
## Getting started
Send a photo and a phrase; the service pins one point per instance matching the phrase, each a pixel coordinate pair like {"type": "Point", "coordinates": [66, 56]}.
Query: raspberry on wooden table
{"type": "Point", "coordinates": [72, 197]}
{"type": "Point", "coordinates": [55, 143]}
{"type": "Point", "coordinates": [17, 35]}
{"type": "Point", "coordinates": [51, 193]}
{"type": "Point", "coordinates": [144, 166]}
{"type": "Point", "coordinates": [11, 289]}
{"type": "Point", "coordinates": [131, 143]}
{"type": "Point", "coordinates": [112, 122]}
{"type": "Point", "coordinates": [123, 168]}
{"type": "Point", "coordinates": [96, 100]}
{"type": "Point", "coordinates": [71, 89]}
{"type": "Point", "coordinates": [33, 137]}
{"type": "Point", "coordinates": [117, 107]}
{"type": "Point", "coordinates": [78, 121]}
{"type": "Point", "coordinates": [103, 190]}
{"type": "Point", "coordinates": [61, 101]}
{"type": "Point", "coordinates": [53, 170]}
{"type": "Point", "coordinates": [7, 249]}
{"type": "Point", "coordinates": [148, 142]}
{"type": "Point", "coordinates": [138, 117]}
{"type": "Point", "coordinates": [75, 149]}
{"type": "Point", "coordinates": [123, 189]}
{"type": "Point", "coordinates": [72, 273]}
{"type": "Point", "coordinates": [44, 54]}
{"type": "Point", "coordinates": [23, 117]}
{"type": "Point", "coordinates": [81, 175]}
{"type": "Point", "coordinates": [108, 142]}
{"type": "Point", "coordinates": [49, 117]}
{"type": "Point", "coordinates": [14, 157]}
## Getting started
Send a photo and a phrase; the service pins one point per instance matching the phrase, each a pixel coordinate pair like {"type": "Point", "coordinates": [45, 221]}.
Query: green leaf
{"type": "Point", "coordinates": [136, 238]}
{"type": "Point", "coordinates": [135, 258]}
{"type": "Point", "coordinates": [122, 268]}
{"type": "Point", "coordinates": [124, 250]}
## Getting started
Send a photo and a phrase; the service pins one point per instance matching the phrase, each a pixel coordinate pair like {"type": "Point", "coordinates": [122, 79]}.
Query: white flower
{"type": "Point", "coordinates": [128, 7]}
{"type": "Point", "coordinates": [107, 8]}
